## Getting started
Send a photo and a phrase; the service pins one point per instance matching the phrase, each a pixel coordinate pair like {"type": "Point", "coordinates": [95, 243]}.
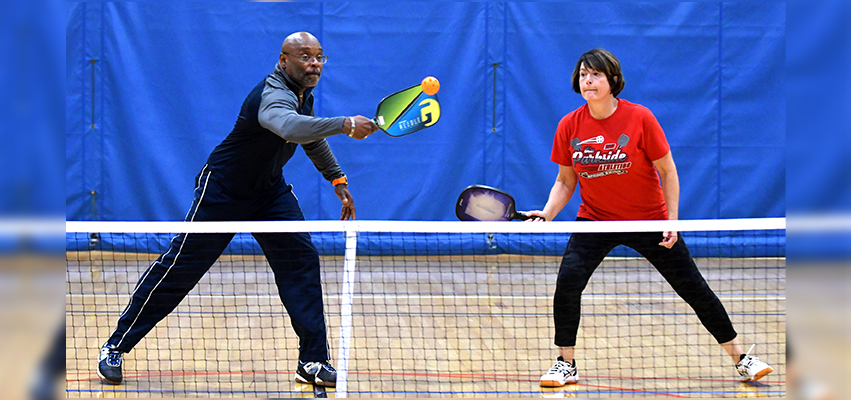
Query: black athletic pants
{"type": "Point", "coordinates": [292, 256]}
{"type": "Point", "coordinates": [585, 251]}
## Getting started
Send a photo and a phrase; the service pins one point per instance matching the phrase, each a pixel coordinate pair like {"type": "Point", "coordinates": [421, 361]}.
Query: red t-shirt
{"type": "Point", "coordinates": [613, 160]}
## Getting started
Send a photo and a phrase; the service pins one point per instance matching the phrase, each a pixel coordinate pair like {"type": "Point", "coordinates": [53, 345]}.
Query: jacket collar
{"type": "Point", "coordinates": [289, 82]}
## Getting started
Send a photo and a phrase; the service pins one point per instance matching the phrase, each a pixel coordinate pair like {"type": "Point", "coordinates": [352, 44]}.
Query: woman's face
{"type": "Point", "coordinates": [594, 85]}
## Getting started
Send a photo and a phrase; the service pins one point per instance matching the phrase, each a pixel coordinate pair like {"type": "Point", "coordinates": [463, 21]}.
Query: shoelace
{"type": "Point", "coordinates": [309, 365]}
{"type": "Point", "coordinates": [561, 367]}
{"type": "Point", "coordinates": [113, 358]}
{"type": "Point", "coordinates": [749, 350]}
{"type": "Point", "coordinates": [747, 356]}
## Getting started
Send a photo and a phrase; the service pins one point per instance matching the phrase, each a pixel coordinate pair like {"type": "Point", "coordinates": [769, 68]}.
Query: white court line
{"type": "Point", "coordinates": [346, 313]}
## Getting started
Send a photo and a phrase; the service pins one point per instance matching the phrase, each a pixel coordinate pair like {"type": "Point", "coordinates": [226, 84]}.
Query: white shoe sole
{"type": "Point", "coordinates": [319, 382]}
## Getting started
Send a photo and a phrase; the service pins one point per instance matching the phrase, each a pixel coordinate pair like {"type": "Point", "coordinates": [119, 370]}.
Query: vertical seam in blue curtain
{"type": "Point", "coordinates": [501, 81]}
{"type": "Point", "coordinates": [485, 131]}
{"type": "Point", "coordinates": [101, 128]}
{"type": "Point", "coordinates": [720, 111]}
{"type": "Point", "coordinates": [84, 148]}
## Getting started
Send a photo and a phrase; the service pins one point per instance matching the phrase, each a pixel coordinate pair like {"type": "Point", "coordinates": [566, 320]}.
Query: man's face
{"type": "Point", "coordinates": [303, 63]}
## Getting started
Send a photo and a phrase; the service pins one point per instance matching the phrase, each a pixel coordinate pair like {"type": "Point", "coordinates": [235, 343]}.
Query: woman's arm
{"type": "Point", "coordinates": [560, 194]}
{"type": "Point", "coordinates": [671, 191]}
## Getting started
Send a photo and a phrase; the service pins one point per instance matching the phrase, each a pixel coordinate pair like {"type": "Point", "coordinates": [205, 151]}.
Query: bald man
{"type": "Point", "coordinates": [243, 180]}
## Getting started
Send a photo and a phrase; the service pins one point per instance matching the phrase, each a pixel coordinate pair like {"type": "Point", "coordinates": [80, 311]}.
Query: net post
{"type": "Point", "coordinates": [346, 294]}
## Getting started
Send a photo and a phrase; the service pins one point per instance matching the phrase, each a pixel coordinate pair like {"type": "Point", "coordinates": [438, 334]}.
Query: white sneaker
{"type": "Point", "coordinates": [751, 368]}
{"type": "Point", "coordinates": [560, 374]}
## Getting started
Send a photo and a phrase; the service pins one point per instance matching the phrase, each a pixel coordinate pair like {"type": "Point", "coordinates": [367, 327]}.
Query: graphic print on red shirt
{"type": "Point", "coordinates": [613, 160]}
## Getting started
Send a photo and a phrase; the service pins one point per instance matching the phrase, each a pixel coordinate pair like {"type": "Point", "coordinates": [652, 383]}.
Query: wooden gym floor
{"type": "Point", "coordinates": [439, 326]}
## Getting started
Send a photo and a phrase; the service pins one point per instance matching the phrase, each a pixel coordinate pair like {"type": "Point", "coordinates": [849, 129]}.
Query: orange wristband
{"type": "Point", "coordinates": [340, 180]}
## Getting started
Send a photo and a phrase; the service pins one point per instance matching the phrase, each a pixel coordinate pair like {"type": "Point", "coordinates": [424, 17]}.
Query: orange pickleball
{"type": "Point", "coordinates": [430, 85]}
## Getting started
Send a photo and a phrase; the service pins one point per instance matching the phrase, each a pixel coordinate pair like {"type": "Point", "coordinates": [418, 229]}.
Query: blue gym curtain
{"type": "Point", "coordinates": [151, 88]}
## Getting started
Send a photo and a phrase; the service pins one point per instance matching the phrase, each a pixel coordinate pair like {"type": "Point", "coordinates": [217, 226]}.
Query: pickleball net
{"type": "Point", "coordinates": [429, 309]}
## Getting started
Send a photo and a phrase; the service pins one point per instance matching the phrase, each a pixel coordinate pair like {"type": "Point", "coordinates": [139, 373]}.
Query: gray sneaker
{"type": "Point", "coordinates": [109, 365]}
{"type": "Point", "coordinates": [317, 373]}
